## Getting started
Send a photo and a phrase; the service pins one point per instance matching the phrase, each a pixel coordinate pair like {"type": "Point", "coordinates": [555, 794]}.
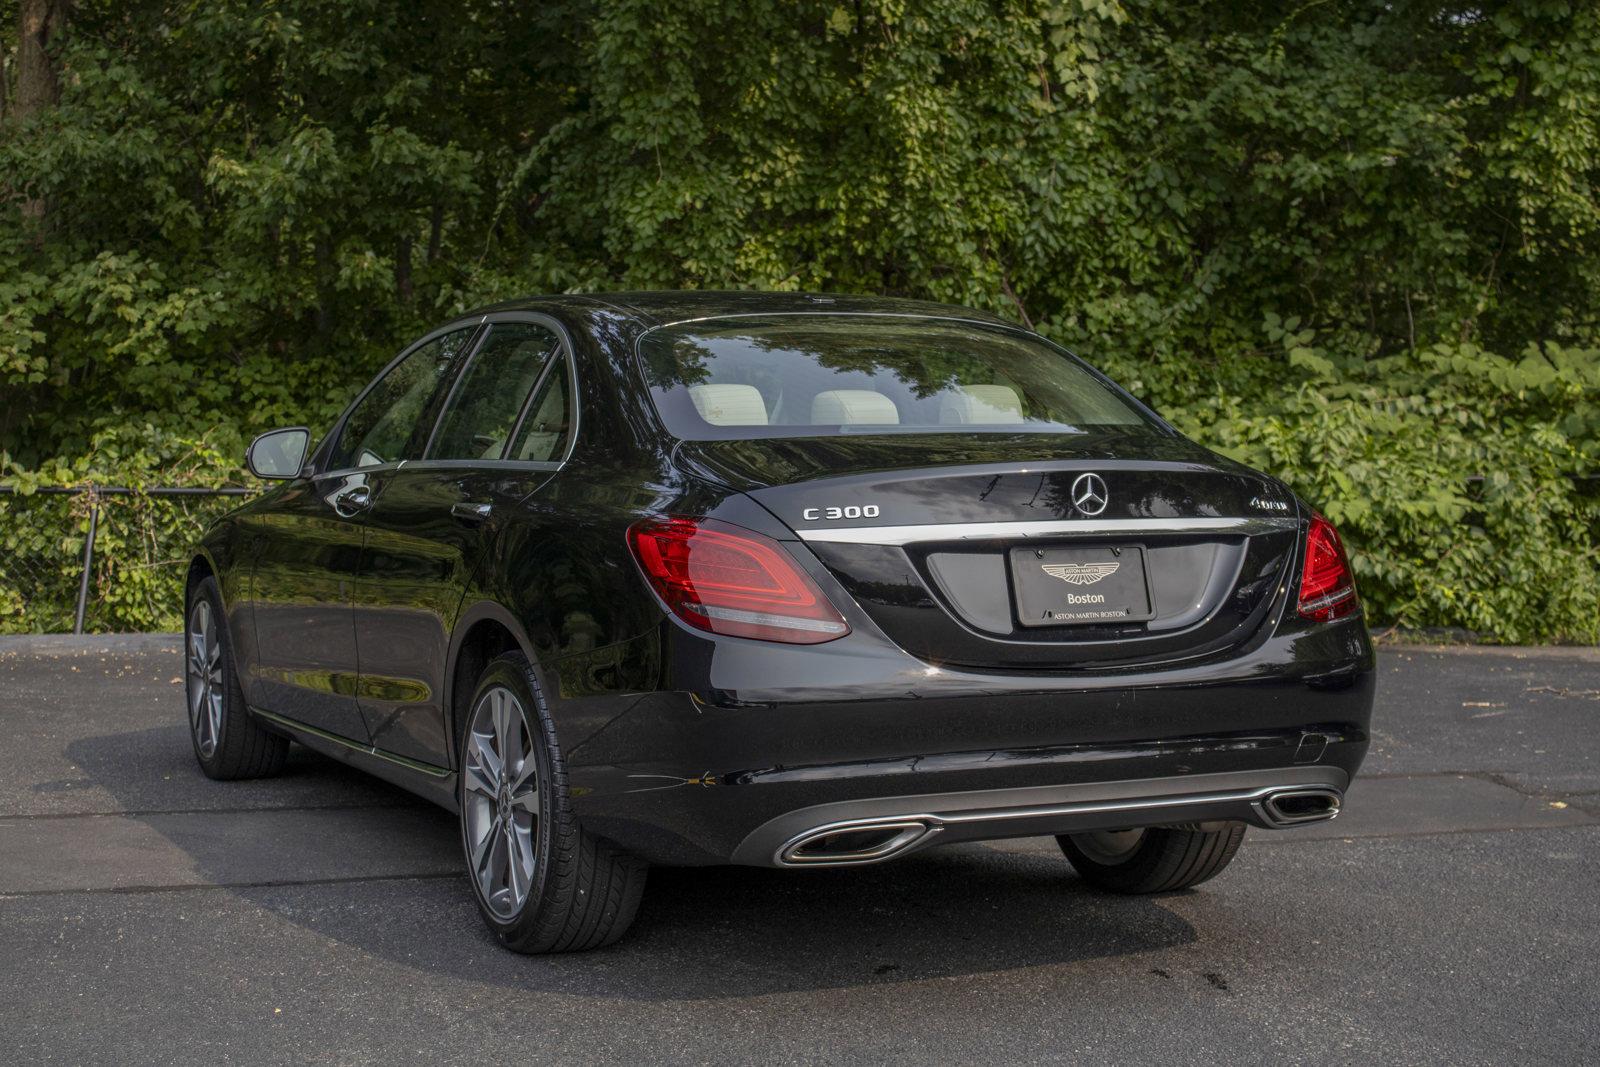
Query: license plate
{"type": "Point", "coordinates": [1078, 586]}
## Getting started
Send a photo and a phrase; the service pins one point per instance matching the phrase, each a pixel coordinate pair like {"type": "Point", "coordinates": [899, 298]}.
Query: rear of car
{"type": "Point", "coordinates": [938, 580]}
{"type": "Point", "coordinates": [779, 580]}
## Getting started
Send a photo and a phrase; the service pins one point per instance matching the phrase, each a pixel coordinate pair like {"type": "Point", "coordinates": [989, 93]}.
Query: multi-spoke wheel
{"type": "Point", "coordinates": [205, 678]}
{"type": "Point", "coordinates": [501, 779]}
{"type": "Point", "coordinates": [542, 883]}
{"type": "Point", "coordinates": [227, 741]}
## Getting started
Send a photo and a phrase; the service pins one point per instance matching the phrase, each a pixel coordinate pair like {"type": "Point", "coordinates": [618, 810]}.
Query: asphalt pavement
{"type": "Point", "coordinates": [150, 915]}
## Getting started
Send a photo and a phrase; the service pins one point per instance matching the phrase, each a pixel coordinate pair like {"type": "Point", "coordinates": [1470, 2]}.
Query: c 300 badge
{"type": "Point", "coordinates": [852, 511]}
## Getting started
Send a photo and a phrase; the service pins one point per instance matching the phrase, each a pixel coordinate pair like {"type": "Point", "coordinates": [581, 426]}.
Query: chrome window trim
{"type": "Point", "coordinates": [481, 464]}
{"type": "Point", "coordinates": [968, 531]}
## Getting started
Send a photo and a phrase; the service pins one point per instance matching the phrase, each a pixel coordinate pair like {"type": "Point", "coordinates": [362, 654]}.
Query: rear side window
{"type": "Point", "coordinates": [817, 375]}
{"type": "Point", "coordinates": [482, 412]}
{"type": "Point", "coordinates": [547, 426]}
{"type": "Point", "coordinates": [386, 425]}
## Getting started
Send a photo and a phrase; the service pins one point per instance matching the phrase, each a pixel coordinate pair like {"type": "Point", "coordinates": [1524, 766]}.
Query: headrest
{"type": "Point", "coordinates": [729, 405]}
{"type": "Point", "coordinates": [977, 404]}
{"type": "Point", "coordinates": [853, 407]}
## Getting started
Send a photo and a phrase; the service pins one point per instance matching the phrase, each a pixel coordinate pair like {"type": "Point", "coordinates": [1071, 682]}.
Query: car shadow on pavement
{"type": "Point", "coordinates": [714, 932]}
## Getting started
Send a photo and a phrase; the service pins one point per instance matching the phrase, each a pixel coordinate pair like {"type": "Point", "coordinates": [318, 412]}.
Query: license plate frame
{"type": "Point", "coordinates": [1070, 585]}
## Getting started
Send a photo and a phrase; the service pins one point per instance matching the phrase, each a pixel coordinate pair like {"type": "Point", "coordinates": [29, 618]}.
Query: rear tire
{"type": "Point", "coordinates": [1158, 859]}
{"type": "Point", "coordinates": [542, 883]}
{"type": "Point", "coordinates": [228, 742]}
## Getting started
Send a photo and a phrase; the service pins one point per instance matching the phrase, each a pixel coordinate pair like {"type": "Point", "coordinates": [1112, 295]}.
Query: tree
{"type": "Point", "coordinates": [1357, 235]}
{"type": "Point", "coordinates": [39, 24]}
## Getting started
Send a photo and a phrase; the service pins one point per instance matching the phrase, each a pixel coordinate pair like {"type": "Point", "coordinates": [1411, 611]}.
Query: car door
{"type": "Point", "coordinates": [308, 545]}
{"type": "Point", "coordinates": [501, 432]}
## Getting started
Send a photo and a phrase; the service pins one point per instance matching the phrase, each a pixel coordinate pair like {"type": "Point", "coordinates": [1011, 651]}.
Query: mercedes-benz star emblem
{"type": "Point", "coordinates": [1089, 494]}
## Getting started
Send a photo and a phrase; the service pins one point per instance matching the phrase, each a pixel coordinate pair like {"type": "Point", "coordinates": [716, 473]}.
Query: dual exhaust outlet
{"type": "Point", "coordinates": [875, 840]}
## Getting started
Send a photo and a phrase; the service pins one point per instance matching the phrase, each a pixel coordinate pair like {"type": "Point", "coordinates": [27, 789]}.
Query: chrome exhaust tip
{"type": "Point", "coordinates": [862, 842]}
{"type": "Point", "coordinates": [1291, 807]}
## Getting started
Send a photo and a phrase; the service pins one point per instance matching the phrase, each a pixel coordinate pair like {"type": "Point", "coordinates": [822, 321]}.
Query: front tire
{"type": "Point", "coordinates": [542, 883]}
{"type": "Point", "coordinates": [1157, 859]}
{"type": "Point", "coordinates": [228, 742]}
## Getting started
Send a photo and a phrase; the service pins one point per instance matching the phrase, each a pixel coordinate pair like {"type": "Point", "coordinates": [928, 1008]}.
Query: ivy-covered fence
{"type": "Point", "coordinates": [148, 498]}
{"type": "Point", "coordinates": [99, 559]}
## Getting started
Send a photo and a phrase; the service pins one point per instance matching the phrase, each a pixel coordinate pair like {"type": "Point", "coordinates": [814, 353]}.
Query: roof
{"type": "Point", "coordinates": [666, 306]}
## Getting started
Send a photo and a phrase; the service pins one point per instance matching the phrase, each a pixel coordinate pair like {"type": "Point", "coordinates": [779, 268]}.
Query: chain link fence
{"type": "Point", "coordinates": [100, 559]}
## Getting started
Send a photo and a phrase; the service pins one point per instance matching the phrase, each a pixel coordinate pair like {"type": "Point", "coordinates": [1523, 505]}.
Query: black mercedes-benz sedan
{"type": "Point", "coordinates": [783, 580]}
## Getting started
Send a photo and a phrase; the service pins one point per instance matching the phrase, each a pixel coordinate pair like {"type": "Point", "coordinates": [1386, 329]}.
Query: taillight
{"type": "Point", "coordinates": [729, 580]}
{"type": "Point", "coordinates": [1327, 588]}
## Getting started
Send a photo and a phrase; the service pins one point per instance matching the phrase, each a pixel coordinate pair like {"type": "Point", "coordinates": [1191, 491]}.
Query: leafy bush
{"type": "Point", "coordinates": [1462, 481]}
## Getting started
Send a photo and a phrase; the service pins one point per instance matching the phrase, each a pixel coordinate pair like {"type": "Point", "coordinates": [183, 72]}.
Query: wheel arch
{"type": "Point", "coordinates": [482, 632]}
{"type": "Point", "coordinates": [201, 567]}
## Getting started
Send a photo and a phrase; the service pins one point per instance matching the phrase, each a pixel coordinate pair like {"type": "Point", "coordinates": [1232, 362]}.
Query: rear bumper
{"type": "Point", "coordinates": [722, 774]}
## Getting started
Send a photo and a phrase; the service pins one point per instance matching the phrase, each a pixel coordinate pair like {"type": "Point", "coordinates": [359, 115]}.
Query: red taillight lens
{"type": "Point", "coordinates": [1327, 588]}
{"type": "Point", "coordinates": [729, 580]}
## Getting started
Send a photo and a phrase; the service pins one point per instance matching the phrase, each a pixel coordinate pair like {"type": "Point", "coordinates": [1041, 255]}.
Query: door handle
{"type": "Point", "coordinates": [352, 500]}
{"type": "Point", "coordinates": [471, 512]}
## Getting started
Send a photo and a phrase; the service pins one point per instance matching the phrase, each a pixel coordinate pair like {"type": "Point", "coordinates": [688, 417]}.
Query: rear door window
{"type": "Point", "coordinates": [482, 412]}
{"type": "Point", "coordinates": [547, 425]}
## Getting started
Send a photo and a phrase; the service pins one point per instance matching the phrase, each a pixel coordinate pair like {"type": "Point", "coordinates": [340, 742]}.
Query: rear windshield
{"type": "Point", "coordinates": [825, 375]}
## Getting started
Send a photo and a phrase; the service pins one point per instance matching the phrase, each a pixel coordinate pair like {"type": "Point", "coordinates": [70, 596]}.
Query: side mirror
{"type": "Point", "coordinates": [279, 453]}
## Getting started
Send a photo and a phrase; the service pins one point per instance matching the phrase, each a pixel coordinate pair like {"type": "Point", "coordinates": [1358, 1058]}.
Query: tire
{"type": "Point", "coordinates": [228, 742]}
{"type": "Point", "coordinates": [542, 883]}
{"type": "Point", "coordinates": [1158, 859]}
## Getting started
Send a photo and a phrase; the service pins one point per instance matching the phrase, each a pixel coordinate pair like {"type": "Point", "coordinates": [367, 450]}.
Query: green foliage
{"type": "Point", "coordinates": [142, 542]}
{"type": "Point", "coordinates": [1355, 242]}
{"type": "Point", "coordinates": [1454, 474]}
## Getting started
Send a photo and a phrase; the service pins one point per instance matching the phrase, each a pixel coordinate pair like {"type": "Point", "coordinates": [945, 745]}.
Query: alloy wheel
{"type": "Point", "coordinates": [205, 679]}
{"type": "Point", "coordinates": [502, 809]}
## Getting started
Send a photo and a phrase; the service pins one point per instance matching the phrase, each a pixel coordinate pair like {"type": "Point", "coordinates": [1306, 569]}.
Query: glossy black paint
{"type": "Point", "coordinates": [366, 624]}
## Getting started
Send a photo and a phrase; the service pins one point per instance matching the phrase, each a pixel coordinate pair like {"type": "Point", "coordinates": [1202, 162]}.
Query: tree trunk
{"type": "Point", "coordinates": [326, 270]}
{"type": "Point", "coordinates": [402, 270]}
{"type": "Point", "coordinates": [39, 23]}
{"type": "Point", "coordinates": [435, 232]}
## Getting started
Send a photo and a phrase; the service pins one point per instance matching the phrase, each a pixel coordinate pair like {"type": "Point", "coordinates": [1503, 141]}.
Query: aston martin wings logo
{"type": "Point", "coordinates": [1080, 573]}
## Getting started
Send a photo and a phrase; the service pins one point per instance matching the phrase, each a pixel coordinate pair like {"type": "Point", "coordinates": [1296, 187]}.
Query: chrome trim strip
{"type": "Point", "coordinates": [966, 531]}
{"type": "Point", "coordinates": [391, 757]}
{"type": "Point", "coordinates": [1101, 807]}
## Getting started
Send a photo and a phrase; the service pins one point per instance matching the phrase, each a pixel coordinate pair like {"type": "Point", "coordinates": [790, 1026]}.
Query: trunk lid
{"type": "Point", "coordinates": [952, 543]}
